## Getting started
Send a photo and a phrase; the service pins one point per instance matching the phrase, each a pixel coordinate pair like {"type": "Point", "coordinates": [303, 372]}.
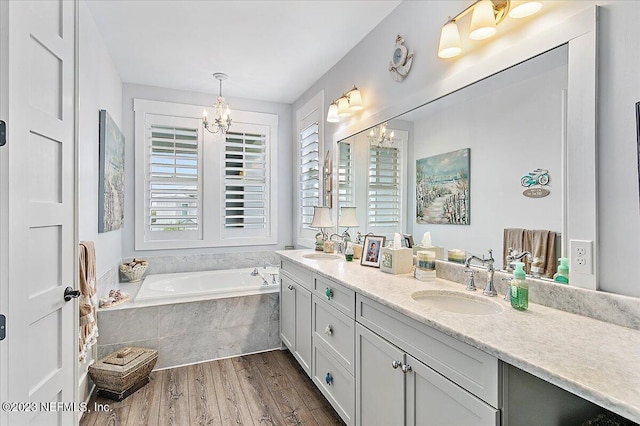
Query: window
{"type": "Point", "coordinates": [309, 147]}
{"type": "Point", "coordinates": [345, 176]}
{"type": "Point", "coordinates": [384, 187]}
{"type": "Point", "coordinates": [183, 197]}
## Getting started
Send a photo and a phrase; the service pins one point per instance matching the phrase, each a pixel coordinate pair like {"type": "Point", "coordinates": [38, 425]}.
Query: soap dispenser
{"type": "Point", "coordinates": [348, 253]}
{"type": "Point", "coordinates": [562, 276]}
{"type": "Point", "coordinates": [519, 288]}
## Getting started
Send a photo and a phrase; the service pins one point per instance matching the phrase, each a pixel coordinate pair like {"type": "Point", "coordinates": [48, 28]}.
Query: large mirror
{"type": "Point", "coordinates": [410, 174]}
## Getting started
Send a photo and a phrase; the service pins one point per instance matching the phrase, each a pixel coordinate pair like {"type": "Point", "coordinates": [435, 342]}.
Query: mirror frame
{"type": "Point", "coordinates": [579, 207]}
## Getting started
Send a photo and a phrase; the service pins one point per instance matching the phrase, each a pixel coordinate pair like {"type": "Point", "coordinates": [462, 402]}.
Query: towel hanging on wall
{"type": "Point", "coordinates": [88, 325]}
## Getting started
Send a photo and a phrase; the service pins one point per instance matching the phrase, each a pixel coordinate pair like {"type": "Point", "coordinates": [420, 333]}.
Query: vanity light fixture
{"type": "Point", "coordinates": [486, 15]}
{"type": "Point", "coordinates": [379, 136]}
{"type": "Point", "coordinates": [346, 104]}
{"type": "Point", "coordinates": [222, 114]}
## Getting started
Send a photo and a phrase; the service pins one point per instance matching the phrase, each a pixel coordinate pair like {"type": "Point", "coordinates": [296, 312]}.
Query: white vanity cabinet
{"type": "Point", "coordinates": [405, 378]}
{"type": "Point", "coordinates": [333, 345]}
{"type": "Point", "coordinates": [295, 312]}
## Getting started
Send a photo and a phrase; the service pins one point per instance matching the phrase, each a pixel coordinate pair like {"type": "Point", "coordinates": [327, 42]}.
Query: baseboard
{"type": "Point", "coordinates": [218, 359]}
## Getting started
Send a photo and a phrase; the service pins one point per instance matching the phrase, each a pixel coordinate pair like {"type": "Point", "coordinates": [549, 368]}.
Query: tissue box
{"type": "Point", "coordinates": [396, 261]}
{"type": "Point", "coordinates": [439, 251]}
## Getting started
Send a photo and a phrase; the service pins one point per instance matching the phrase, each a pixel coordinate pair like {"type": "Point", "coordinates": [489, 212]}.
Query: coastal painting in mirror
{"type": "Point", "coordinates": [442, 188]}
{"type": "Point", "coordinates": [111, 175]}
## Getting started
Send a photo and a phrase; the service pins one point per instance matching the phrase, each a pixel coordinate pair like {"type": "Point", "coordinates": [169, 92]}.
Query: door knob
{"type": "Point", "coordinates": [70, 293]}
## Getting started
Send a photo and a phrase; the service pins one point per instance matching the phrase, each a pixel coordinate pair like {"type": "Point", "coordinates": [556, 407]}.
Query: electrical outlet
{"type": "Point", "coordinates": [581, 257]}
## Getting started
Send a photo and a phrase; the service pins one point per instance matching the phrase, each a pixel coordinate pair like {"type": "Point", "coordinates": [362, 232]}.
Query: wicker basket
{"type": "Point", "coordinates": [134, 270]}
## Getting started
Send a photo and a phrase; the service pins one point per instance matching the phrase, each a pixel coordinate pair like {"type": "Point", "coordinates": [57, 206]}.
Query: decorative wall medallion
{"type": "Point", "coordinates": [400, 64]}
{"type": "Point", "coordinates": [538, 177]}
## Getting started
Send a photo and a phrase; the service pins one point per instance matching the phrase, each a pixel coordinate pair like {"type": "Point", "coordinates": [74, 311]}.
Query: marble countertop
{"type": "Point", "coordinates": [595, 360]}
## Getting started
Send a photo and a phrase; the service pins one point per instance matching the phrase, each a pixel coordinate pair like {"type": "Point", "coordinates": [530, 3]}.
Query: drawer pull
{"type": "Point", "coordinates": [395, 364]}
{"type": "Point", "coordinates": [290, 287]}
{"type": "Point", "coordinates": [405, 368]}
{"type": "Point", "coordinates": [329, 293]}
{"type": "Point", "coordinates": [328, 330]}
{"type": "Point", "coordinates": [328, 378]}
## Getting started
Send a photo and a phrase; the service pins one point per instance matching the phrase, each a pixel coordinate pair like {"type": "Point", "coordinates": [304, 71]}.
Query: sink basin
{"type": "Point", "coordinates": [459, 303]}
{"type": "Point", "coordinates": [322, 256]}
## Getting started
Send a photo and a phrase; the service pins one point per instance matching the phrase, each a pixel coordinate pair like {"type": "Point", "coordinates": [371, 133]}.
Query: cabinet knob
{"type": "Point", "coordinates": [328, 330]}
{"type": "Point", "coordinates": [290, 287]}
{"type": "Point", "coordinates": [329, 293]}
{"type": "Point", "coordinates": [328, 378]}
{"type": "Point", "coordinates": [395, 364]}
{"type": "Point", "coordinates": [405, 368]}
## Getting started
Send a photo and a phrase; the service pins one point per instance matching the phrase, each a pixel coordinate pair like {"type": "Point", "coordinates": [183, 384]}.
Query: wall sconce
{"type": "Point", "coordinates": [348, 103]}
{"type": "Point", "coordinates": [486, 15]}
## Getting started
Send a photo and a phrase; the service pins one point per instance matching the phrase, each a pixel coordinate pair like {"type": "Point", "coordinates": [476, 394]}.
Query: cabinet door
{"type": "Point", "coordinates": [379, 386]}
{"type": "Point", "coordinates": [433, 400]}
{"type": "Point", "coordinates": [288, 312]}
{"type": "Point", "coordinates": [303, 327]}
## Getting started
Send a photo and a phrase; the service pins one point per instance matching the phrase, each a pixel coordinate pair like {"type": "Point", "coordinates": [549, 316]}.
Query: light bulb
{"type": "Point", "coordinates": [483, 21]}
{"type": "Point", "coordinates": [525, 9]}
{"type": "Point", "coordinates": [450, 45]}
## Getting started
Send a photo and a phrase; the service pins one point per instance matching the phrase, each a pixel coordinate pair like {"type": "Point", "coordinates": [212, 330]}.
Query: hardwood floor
{"type": "Point", "coordinates": [263, 389]}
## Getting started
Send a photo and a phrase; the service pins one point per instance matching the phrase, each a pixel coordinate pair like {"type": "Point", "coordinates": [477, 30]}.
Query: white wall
{"type": "Point", "coordinates": [512, 122]}
{"type": "Point", "coordinates": [99, 88]}
{"type": "Point", "coordinates": [283, 174]}
{"type": "Point", "coordinates": [619, 64]}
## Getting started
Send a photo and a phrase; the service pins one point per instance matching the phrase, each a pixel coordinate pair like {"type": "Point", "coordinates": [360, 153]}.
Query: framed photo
{"type": "Point", "coordinates": [408, 240]}
{"type": "Point", "coordinates": [111, 175]}
{"type": "Point", "coordinates": [371, 250]}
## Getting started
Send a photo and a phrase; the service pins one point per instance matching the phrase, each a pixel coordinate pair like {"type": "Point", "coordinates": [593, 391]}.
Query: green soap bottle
{"type": "Point", "coordinates": [519, 288]}
{"type": "Point", "coordinates": [562, 276]}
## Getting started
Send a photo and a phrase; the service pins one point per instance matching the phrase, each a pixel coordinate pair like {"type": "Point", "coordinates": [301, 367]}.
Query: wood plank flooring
{"type": "Point", "coordinates": [268, 388]}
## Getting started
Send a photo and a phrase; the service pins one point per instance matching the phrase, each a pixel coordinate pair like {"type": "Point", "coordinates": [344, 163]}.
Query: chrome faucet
{"type": "Point", "coordinates": [489, 288]}
{"type": "Point", "coordinates": [255, 272]}
{"type": "Point", "coordinates": [340, 242]}
{"type": "Point", "coordinates": [265, 264]}
{"type": "Point", "coordinates": [512, 258]}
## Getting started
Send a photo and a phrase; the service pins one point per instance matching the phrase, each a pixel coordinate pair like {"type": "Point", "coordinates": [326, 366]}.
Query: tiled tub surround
{"type": "Point", "coordinates": [593, 359]}
{"type": "Point", "coordinates": [208, 262]}
{"type": "Point", "coordinates": [190, 332]}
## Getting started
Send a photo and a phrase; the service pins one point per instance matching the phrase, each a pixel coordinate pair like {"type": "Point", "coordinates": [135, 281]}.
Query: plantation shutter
{"type": "Point", "coordinates": [173, 181]}
{"type": "Point", "coordinates": [245, 180]}
{"type": "Point", "coordinates": [345, 176]}
{"type": "Point", "coordinates": [309, 171]}
{"type": "Point", "coordinates": [384, 192]}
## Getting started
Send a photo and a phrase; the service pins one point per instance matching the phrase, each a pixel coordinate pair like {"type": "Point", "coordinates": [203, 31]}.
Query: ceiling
{"type": "Point", "coordinates": [271, 50]}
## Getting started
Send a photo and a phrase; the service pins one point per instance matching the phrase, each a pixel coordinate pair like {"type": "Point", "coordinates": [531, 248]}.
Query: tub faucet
{"type": "Point", "coordinates": [265, 264]}
{"type": "Point", "coordinates": [489, 288]}
{"type": "Point", "coordinates": [255, 272]}
{"type": "Point", "coordinates": [511, 257]}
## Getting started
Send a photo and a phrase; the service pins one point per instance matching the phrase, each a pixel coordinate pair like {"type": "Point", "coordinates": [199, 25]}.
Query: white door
{"type": "Point", "coordinates": [38, 358]}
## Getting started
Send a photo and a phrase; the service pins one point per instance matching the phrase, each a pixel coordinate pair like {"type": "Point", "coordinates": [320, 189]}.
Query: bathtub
{"type": "Point", "coordinates": [207, 284]}
{"type": "Point", "coordinates": [196, 316]}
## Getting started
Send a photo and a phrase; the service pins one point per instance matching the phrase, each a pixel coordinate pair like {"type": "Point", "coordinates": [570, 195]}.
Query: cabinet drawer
{"type": "Point", "coordinates": [335, 294]}
{"type": "Point", "coordinates": [469, 367]}
{"type": "Point", "coordinates": [337, 385]}
{"type": "Point", "coordinates": [302, 275]}
{"type": "Point", "coordinates": [335, 331]}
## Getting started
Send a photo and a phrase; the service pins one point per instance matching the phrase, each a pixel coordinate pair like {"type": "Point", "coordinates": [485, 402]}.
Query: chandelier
{"type": "Point", "coordinates": [222, 114]}
{"type": "Point", "coordinates": [379, 136]}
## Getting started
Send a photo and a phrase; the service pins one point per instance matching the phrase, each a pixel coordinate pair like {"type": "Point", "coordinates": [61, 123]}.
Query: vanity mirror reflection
{"type": "Point", "coordinates": [513, 123]}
